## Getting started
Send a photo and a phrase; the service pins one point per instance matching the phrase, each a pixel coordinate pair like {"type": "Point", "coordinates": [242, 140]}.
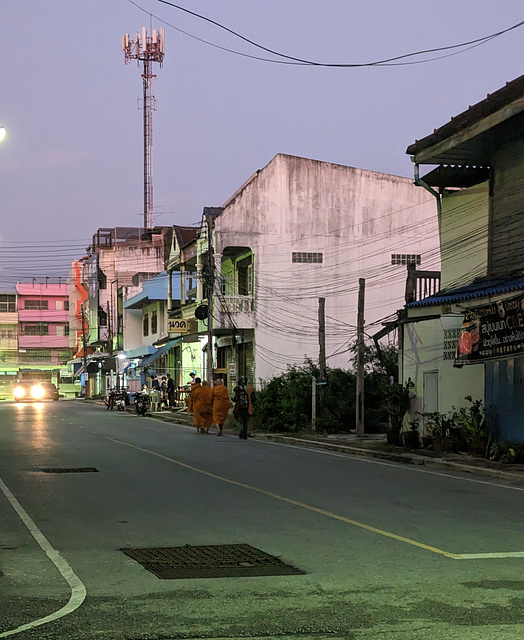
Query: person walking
{"type": "Point", "coordinates": [244, 400]}
{"type": "Point", "coordinates": [202, 405]}
{"type": "Point", "coordinates": [221, 404]}
{"type": "Point", "coordinates": [170, 391]}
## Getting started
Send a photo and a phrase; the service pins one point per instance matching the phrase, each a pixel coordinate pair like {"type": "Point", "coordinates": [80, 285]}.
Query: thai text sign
{"type": "Point", "coordinates": [493, 331]}
{"type": "Point", "coordinates": [177, 326]}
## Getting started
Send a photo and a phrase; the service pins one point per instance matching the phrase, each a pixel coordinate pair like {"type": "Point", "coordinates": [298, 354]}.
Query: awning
{"type": "Point", "coordinates": [148, 360]}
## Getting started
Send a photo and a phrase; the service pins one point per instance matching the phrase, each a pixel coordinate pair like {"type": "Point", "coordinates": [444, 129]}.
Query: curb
{"type": "Point", "coordinates": [404, 458]}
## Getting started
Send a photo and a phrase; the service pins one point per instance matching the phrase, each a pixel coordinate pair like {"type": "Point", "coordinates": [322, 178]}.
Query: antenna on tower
{"type": "Point", "coordinates": [146, 49]}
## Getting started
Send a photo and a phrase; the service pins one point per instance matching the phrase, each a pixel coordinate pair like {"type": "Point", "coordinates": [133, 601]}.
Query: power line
{"type": "Point", "coordinates": [288, 59]}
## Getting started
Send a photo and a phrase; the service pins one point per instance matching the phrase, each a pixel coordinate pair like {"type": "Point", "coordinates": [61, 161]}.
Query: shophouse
{"type": "Point", "coordinates": [468, 340]}
{"type": "Point", "coordinates": [43, 330]}
{"type": "Point", "coordinates": [8, 342]}
{"type": "Point", "coordinates": [116, 264]}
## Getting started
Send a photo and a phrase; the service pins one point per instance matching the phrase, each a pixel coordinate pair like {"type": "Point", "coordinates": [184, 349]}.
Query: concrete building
{"type": "Point", "coordinates": [118, 261]}
{"type": "Point", "coordinates": [8, 342]}
{"type": "Point", "coordinates": [43, 330]}
{"type": "Point", "coordinates": [296, 231]}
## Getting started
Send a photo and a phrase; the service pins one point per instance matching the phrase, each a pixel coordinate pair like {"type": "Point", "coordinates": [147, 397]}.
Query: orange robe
{"type": "Point", "coordinates": [221, 403]}
{"type": "Point", "coordinates": [202, 404]}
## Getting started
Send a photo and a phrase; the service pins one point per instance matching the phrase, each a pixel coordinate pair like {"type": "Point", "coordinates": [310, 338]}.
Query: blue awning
{"type": "Point", "coordinates": [473, 291]}
{"type": "Point", "coordinates": [153, 357]}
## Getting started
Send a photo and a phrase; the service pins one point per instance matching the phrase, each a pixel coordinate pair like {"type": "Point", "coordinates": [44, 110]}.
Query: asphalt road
{"type": "Point", "coordinates": [387, 551]}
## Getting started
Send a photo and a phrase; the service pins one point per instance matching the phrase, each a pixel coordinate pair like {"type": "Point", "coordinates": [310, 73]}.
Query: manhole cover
{"type": "Point", "coordinates": [211, 561]}
{"type": "Point", "coordinates": [73, 470]}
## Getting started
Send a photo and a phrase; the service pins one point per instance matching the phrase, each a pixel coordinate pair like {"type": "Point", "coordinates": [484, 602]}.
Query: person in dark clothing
{"type": "Point", "coordinates": [244, 399]}
{"type": "Point", "coordinates": [170, 391]}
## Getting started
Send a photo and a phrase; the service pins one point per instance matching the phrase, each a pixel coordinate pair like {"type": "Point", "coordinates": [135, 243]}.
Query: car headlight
{"type": "Point", "coordinates": [19, 392]}
{"type": "Point", "coordinates": [37, 392]}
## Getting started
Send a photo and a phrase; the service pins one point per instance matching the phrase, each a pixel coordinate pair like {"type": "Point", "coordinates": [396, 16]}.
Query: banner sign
{"type": "Point", "coordinates": [493, 331]}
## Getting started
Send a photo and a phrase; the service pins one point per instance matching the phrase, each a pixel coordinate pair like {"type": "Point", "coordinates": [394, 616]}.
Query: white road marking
{"type": "Point", "coordinates": [78, 590]}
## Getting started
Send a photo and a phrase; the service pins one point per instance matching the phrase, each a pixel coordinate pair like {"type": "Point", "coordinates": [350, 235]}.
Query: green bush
{"type": "Point", "coordinates": [284, 403]}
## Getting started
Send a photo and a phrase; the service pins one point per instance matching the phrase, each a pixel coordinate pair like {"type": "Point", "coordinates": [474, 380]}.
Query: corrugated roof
{"type": "Point", "coordinates": [473, 291]}
{"type": "Point", "coordinates": [493, 102]}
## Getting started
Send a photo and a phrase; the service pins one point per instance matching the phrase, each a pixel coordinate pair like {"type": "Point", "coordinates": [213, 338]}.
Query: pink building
{"type": "Point", "coordinates": [43, 325]}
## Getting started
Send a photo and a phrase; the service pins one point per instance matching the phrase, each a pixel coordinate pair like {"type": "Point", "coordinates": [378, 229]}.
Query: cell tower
{"type": "Point", "coordinates": [146, 49]}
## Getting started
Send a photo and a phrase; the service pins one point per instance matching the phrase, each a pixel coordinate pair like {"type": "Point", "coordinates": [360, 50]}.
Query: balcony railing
{"type": "Point", "coordinates": [236, 304]}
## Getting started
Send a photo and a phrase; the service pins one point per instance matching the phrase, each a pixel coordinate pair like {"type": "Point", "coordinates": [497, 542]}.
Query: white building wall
{"type": "Point", "coordinates": [464, 246]}
{"type": "Point", "coordinates": [356, 219]}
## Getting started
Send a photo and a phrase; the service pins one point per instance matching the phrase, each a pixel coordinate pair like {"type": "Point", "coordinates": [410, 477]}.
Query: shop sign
{"type": "Point", "coordinates": [232, 369]}
{"type": "Point", "coordinates": [492, 331]}
{"type": "Point", "coordinates": [177, 326]}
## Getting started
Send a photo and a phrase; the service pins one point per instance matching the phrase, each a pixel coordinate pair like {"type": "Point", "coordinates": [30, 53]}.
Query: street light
{"type": "Point", "coordinates": [3, 132]}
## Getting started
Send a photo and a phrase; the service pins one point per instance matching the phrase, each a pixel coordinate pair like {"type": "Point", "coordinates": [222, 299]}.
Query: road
{"type": "Point", "coordinates": [385, 550]}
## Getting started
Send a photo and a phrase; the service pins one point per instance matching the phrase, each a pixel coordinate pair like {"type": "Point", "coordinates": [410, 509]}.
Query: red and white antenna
{"type": "Point", "coordinates": [146, 49]}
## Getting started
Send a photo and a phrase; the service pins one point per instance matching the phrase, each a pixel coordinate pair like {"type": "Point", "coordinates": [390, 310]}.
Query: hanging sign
{"type": "Point", "coordinates": [493, 331]}
{"type": "Point", "coordinates": [177, 326]}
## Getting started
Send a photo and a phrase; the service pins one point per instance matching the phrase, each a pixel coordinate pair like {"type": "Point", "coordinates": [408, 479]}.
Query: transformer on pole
{"type": "Point", "coordinates": [146, 49]}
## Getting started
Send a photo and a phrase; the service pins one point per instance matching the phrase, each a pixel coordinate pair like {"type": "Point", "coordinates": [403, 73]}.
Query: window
{"type": "Point", "coordinates": [59, 305]}
{"type": "Point", "coordinates": [36, 304]}
{"type": "Point", "coordinates": [154, 322]}
{"type": "Point", "coordinates": [405, 258]}
{"type": "Point", "coordinates": [35, 355]}
{"type": "Point", "coordinates": [36, 329]}
{"type": "Point", "coordinates": [7, 303]}
{"type": "Point", "coordinates": [66, 305]}
{"type": "Point", "coordinates": [308, 258]}
{"type": "Point", "coordinates": [7, 332]}
{"type": "Point", "coordinates": [145, 325]}
{"type": "Point", "coordinates": [62, 329]}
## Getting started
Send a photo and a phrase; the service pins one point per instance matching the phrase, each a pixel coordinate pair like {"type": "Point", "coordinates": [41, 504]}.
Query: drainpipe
{"type": "Point", "coordinates": [420, 183]}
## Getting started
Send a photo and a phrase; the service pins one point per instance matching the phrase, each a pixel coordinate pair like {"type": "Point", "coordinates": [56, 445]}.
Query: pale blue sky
{"type": "Point", "coordinates": [72, 161]}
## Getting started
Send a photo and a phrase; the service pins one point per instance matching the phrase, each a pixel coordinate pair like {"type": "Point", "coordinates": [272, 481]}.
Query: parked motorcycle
{"type": "Point", "coordinates": [141, 404]}
{"type": "Point", "coordinates": [121, 401]}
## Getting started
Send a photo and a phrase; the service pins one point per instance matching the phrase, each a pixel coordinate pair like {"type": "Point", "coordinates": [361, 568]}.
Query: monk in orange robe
{"type": "Point", "coordinates": [202, 405]}
{"type": "Point", "coordinates": [221, 404]}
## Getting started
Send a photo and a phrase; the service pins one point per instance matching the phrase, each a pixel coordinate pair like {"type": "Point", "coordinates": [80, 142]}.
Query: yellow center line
{"type": "Point", "coordinates": [329, 514]}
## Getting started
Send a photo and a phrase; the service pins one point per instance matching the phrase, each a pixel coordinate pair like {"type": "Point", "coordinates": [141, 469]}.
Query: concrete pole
{"type": "Point", "coordinates": [360, 359]}
{"type": "Point", "coordinates": [313, 404]}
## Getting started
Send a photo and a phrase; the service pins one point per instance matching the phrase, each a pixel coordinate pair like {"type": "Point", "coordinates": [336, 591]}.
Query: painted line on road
{"type": "Point", "coordinates": [78, 590]}
{"type": "Point", "coordinates": [303, 505]}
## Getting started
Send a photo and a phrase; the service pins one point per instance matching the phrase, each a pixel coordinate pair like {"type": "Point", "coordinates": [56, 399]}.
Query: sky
{"type": "Point", "coordinates": [72, 161]}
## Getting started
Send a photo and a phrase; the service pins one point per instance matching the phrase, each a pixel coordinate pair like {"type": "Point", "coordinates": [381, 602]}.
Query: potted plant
{"type": "Point", "coordinates": [398, 402]}
{"type": "Point", "coordinates": [439, 426]}
{"type": "Point", "coordinates": [471, 421]}
{"type": "Point", "coordinates": [411, 437]}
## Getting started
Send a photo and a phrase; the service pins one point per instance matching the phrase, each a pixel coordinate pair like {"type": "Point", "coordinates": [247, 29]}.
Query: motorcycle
{"type": "Point", "coordinates": [121, 401]}
{"type": "Point", "coordinates": [141, 404]}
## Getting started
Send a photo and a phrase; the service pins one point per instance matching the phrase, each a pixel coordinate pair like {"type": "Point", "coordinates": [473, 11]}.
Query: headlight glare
{"type": "Point", "coordinates": [37, 392]}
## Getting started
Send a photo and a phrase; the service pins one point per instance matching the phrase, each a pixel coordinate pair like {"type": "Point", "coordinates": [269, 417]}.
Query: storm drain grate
{"type": "Point", "coordinates": [211, 561]}
{"type": "Point", "coordinates": [72, 470]}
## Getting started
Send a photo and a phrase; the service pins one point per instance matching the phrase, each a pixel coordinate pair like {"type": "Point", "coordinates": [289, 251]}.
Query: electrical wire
{"type": "Point", "coordinates": [392, 61]}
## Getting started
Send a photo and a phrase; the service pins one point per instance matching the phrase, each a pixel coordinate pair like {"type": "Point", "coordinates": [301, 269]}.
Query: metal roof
{"type": "Point", "coordinates": [471, 136]}
{"type": "Point", "coordinates": [473, 291]}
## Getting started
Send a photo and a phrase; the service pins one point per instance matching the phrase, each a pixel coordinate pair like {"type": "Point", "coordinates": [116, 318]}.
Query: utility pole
{"type": "Point", "coordinates": [210, 292]}
{"type": "Point", "coordinates": [360, 359]}
{"type": "Point", "coordinates": [146, 49]}
{"type": "Point", "coordinates": [322, 346]}
{"type": "Point", "coordinates": [84, 347]}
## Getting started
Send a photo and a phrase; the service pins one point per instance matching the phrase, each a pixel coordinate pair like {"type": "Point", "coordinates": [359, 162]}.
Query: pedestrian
{"type": "Point", "coordinates": [244, 401]}
{"type": "Point", "coordinates": [221, 404]}
{"type": "Point", "coordinates": [188, 388]}
{"type": "Point", "coordinates": [163, 392]}
{"type": "Point", "coordinates": [154, 394]}
{"type": "Point", "coordinates": [202, 405]}
{"type": "Point", "coordinates": [170, 391]}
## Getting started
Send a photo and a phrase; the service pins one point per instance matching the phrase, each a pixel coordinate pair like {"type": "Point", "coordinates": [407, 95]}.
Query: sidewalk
{"type": "Point", "coordinates": [375, 446]}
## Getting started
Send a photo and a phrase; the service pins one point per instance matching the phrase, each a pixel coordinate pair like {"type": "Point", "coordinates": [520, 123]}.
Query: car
{"type": "Point", "coordinates": [34, 391]}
